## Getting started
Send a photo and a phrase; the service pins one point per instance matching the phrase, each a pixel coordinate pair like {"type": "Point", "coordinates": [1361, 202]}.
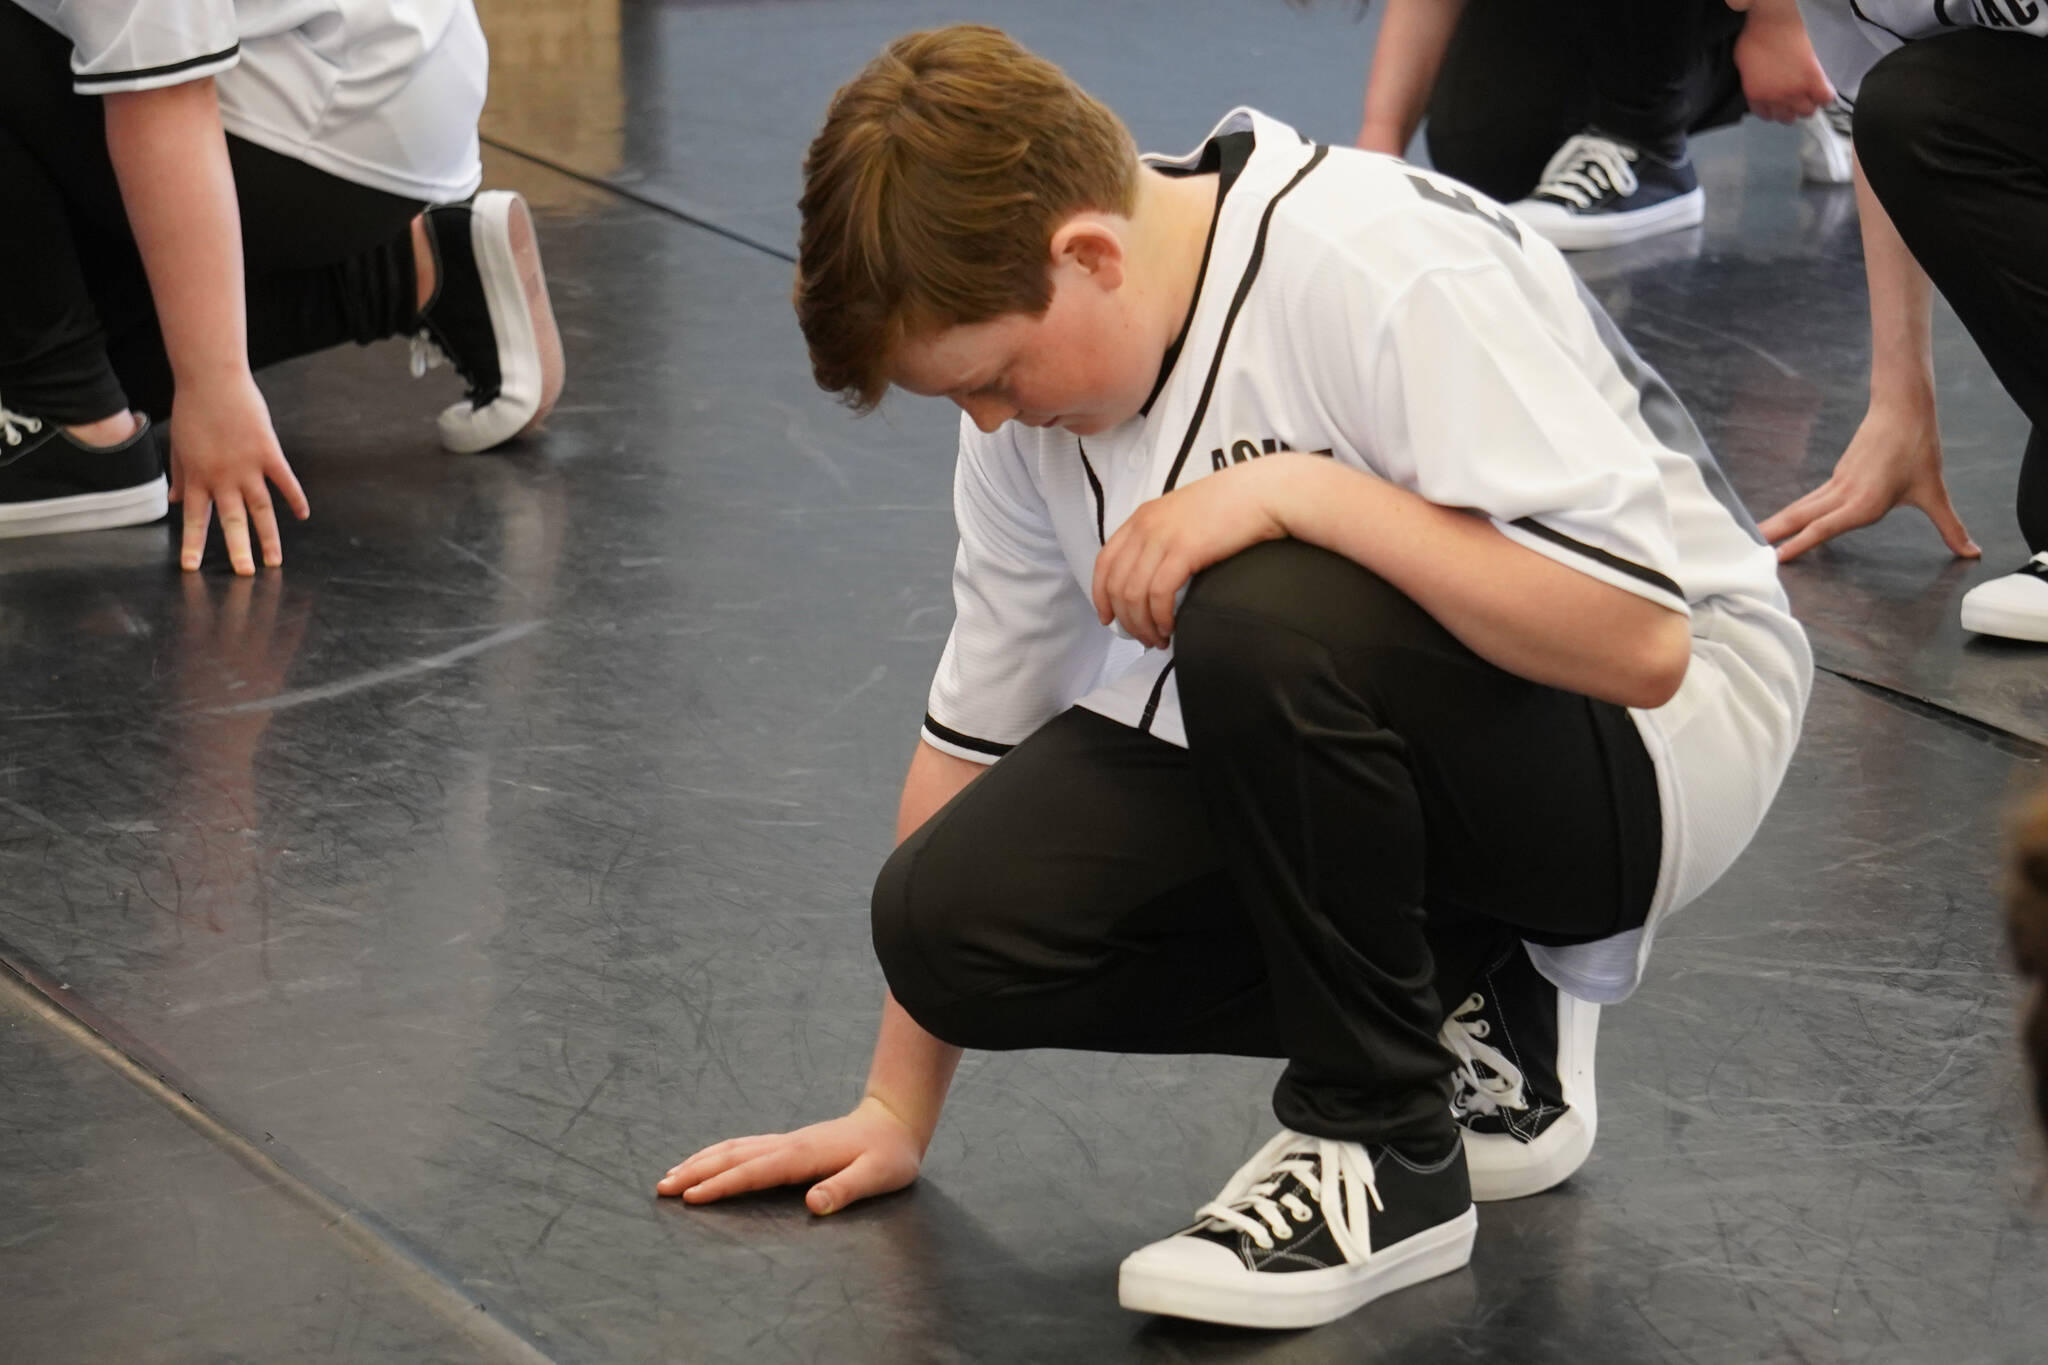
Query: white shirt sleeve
{"type": "Point", "coordinates": [118, 46]}
{"type": "Point", "coordinates": [1478, 403]}
{"type": "Point", "coordinates": [1025, 642]}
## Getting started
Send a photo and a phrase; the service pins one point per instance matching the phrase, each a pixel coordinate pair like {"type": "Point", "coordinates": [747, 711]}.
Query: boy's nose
{"type": "Point", "coordinates": [987, 413]}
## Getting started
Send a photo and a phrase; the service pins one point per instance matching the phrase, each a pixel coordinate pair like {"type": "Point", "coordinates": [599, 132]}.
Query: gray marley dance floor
{"type": "Point", "coordinates": [372, 934]}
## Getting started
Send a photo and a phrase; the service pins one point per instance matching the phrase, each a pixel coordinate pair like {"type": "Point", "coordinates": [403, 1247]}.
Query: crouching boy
{"type": "Point", "coordinates": [1356, 645]}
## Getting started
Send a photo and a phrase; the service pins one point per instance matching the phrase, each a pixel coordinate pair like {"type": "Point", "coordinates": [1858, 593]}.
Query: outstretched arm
{"type": "Point", "coordinates": [1414, 35]}
{"type": "Point", "coordinates": [879, 1146]}
{"type": "Point", "coordinates": [1895, 457]}
{"type": "Point", "coordinates": [171, 158]}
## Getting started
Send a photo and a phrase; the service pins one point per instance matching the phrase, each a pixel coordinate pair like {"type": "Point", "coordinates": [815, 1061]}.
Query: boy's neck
{"type": "Point", "coordinates": [1171, 227]}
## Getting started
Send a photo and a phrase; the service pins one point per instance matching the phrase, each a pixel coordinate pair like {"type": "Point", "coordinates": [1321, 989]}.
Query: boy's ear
{"type": "Point", "coordinates": [1093, 247]}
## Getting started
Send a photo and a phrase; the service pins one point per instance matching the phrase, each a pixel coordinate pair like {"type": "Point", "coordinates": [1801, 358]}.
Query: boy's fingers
{"type": "Point", "coordinates": [710, 1161]}
{"type": "Point", "coordinates": [1942, 513]}
{"type": "Point", "coordinates": [857, 1181]}
{"type": "Point", "coordinates": [198, 512]}
{"type": "Point", "coordinates": [280, 473]}
{"type": "Point", "coordinates": [234, 529]}
{"type": "Point", "coordinates": [264, 517]}
{"type": "Point", "coordinates": [1820, 529]}
{"type": "Point", "coordinates": [761, 1173]}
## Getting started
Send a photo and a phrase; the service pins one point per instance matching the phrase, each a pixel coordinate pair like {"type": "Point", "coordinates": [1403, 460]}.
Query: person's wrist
{"type": "Point", "coordinates": [920, 1133]}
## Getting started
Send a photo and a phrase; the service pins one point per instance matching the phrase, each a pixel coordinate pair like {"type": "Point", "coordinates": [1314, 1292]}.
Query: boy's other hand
{"type": "Point", "coordinates": [1782, 79]}
{"type": "Point", "coordinates": [224, 455]}
{"type": "Point", "coordinates": [1140, 572]}
{"type": "Point", "coordinates": [867, 1152]}
{"type": "Point", "coordinates": [1894, 460]}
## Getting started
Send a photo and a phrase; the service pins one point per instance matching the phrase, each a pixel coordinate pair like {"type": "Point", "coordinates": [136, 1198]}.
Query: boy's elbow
{"type": "Point", "coordinates": [1666, 654]}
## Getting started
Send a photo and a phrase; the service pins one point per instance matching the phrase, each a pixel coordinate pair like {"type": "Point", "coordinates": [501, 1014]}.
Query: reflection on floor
{"type": "Point", "coordinates": [515, 840]}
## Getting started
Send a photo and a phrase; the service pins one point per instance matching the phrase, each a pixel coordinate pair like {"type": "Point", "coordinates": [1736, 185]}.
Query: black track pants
{"type": "Point", "coordinates": [1953, 136]}
{"type": "Point", "coordinates": [326, 261]}
{"type": "Point", "coordinates": [1367, 810]}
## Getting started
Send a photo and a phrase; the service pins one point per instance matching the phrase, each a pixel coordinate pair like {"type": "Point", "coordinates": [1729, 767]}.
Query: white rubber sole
{"type": "Point", "coordinates": [1301, 1298]}
{"type": "Point", "coordinates": [136, 506]}
{"type": "Point", "coordinates": [1825, 156]}
{"type": "Point", "coordinates": [529, 344]}
{"type": "Point", "coordinates": [2007, 623]}
{"type": "Point", "coordinates": [1570, 232]}
{"type": "Point", "coordinates": [1504, 1167]}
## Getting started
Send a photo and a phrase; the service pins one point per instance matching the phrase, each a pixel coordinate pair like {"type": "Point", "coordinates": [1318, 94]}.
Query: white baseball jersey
{"type": "Point", "coordinates": [383, 93]}
{"type": "Point", "coordinates": [1850, 35]}
{"type": "Point", "coordinates": [1406, 326]}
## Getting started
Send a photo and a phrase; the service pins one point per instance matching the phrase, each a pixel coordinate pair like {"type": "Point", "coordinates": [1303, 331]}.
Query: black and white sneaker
{"type": "Point", "coordinates": [2014, 605]}
{"type": "Point", "coordinates": [50, 483]}
{"type": "Point", "coordinates": [1600, 191]}
{"type": "Point", "coordinates": [1827, 149]}
{"type": "Point", "coordinates": [1306, 1231]}
{"type": "Point", "coordinates": [490, 317]}
{"type": "Point", "coordinates": [1524, 1085]}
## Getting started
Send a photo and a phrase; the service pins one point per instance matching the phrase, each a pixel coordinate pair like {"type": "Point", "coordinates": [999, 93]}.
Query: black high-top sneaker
{"type": "Point", "coordinates": [2014, 606]}
{"type": "Point", "coordinates": [1306, 1231]}
{"type": "Point", "coordinates": [1524, 1084]}
{"type": "Point", "coordinates": [1601, 191]}
{"type": "Point", "coordinates": [490, 317]}
{"type": "Point", "coordinates": [51, 483]}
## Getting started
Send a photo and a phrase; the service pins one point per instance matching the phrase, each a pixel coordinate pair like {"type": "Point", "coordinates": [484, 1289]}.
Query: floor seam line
{"type": "Point", "coordinates": [1906, 701]}
{"type": "Point", "coordinates": [283, 1170]}
{"type": "Point", "coordinates": [643, 200]}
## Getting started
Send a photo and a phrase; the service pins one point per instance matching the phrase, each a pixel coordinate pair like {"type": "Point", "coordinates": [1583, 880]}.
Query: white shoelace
{"type": "Point", "coordinates": [425, 354]}
{"type": "Point", "coordinates": [1324, 1167]}
{"type": "Point", "coordinates": [1587, 168]}
{"type": "Point", "coordinates": [1480, 1094]}
{"type": "Point", "coordinates": [15, 428]}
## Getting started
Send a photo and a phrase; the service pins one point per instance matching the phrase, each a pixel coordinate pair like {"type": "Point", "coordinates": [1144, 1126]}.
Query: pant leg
{"type": "Point", "coordinates": [1513, 87]}
{"type": "Point", "coordinates": [1357, 762]}
{"type": "Point", "coordinates": [1661, 70]}
{"type": "Point", "coordinates": [67, 264]}
{"type": "Point", "coordinates": [1072, 897]}
{"type": "Point", "coordinates": [1952, 132]}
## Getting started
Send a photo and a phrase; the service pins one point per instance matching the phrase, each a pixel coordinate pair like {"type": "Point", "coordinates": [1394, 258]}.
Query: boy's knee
{"type": "Point", "coordinates": [898, 919]}
{"type": "Point", "coordinates": [1257, 616]}
{"type": "Point", "coordinates": [1905, 105]}
{"type": "Point", "coordinates": [923, 923]}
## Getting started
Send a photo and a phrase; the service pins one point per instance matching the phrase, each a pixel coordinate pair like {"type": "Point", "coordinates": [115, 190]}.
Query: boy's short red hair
{"type": "Point", "coordinates": [932, 193]}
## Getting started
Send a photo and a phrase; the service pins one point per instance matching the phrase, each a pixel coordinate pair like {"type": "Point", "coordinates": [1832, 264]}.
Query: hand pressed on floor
{"type": "Point", "coordinates": [867, 1152]}
{"type": "Point", "coordinates": [1893, 461]}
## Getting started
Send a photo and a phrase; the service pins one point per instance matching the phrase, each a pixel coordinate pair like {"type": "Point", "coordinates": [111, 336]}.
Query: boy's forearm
{"type": "Point", "coordinates": [911, 1069]}
{"type": "Point", "coordinates": [1515, 608]}
{"type": "Point", "coordinates": [170, 156]}
{"type": "Point", "coordinates": [1901, 311]}
{"type": "Point", "coordinates": [1414, 35]}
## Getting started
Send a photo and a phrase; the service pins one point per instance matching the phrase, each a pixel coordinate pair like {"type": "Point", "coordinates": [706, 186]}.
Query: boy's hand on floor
{"type": "Point", "coordinates": [1140, 572]}
{"type": "Point", "coordinates": [867, 1152]}
{"type": "Point", "coordinates": [1782, 79]}
{"type": "Point", "coordinates": [224, 455]}
{"type": "Point", "coordinates": [1893, 461]}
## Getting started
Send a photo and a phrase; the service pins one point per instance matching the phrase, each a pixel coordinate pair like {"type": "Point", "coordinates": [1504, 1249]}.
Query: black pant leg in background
{"type": "Point", "coordinates": [1953, 135]}
{"type": "Point", "coordinates": [326, 260]}
{"type": "Point", "coordinates": [1522, 76]}
{"type": "Point", "coordinates": [1265, 893]}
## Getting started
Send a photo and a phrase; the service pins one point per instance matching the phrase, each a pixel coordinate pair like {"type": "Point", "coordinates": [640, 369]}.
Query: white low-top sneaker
{"type": "Point", "coordinates": [2014, 606]}
{"type": "Point", "coordinates": [1827, 153]}
{"type": "Point", "coordinates": [1306, 1231]}
{"type": "Point", "coordinates": [490, 317]}
{"type": "Point", "coordinates": [1599, 191]}
{"type": "Point", "coordinates": [1523, 1093]}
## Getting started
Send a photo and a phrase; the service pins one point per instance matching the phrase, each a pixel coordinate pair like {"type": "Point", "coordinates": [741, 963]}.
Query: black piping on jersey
{"type": "Point", "coordinates": [1095, 487]}
{"type": "Point", "coordinates": [1244, 289]}
{"type": "Point", "coordinates": [952, 736]}
{"type": "Point", "coordinates": [2035, 568]}
{"type": "Point", "coordinates": [1225, 158]}
{"type": "Point", "coordinates": [1600, 556]}
{"type": "Point", "coordinates": [1152, 702]}
{"type": "Point", "coordinates": [82, 83]}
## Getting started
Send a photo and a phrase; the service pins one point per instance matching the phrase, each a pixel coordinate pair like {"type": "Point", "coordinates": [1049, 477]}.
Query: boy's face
{"type": "Point", "coordinates": [1085, 365]}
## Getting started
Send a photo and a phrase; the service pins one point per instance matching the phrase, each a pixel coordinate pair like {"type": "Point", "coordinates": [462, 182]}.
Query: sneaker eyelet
{"type": "Point", "coordinates": [1303, 1216]}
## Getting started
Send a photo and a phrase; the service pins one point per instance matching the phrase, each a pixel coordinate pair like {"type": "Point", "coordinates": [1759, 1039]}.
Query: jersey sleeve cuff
{"type": "Point", "coordinates": [156, 77]}
{"type": "Point", "coordinates": [1610, 568]}
{"type": "Point", "coordinates": [950, 741]}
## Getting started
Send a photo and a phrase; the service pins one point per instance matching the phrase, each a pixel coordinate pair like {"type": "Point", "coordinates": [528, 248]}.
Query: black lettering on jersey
{"type": "Point", "coordinates": [1454, 198]}
{"type": "Point", "coordinates": [1244, 449]}
{"type": "Point", "coordinates": [1992, 14]}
